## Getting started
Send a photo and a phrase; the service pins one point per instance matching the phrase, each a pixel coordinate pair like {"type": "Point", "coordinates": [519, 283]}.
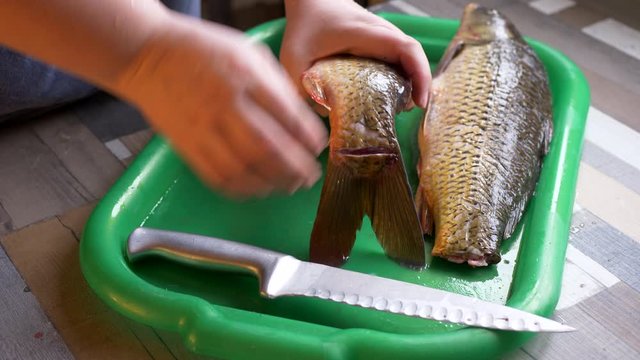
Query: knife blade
{"type": "Point", "coordinates": [284, 275]}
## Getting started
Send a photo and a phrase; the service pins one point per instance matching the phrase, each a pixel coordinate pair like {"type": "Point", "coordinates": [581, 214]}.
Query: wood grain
{"type": "Point", "coordinates": [34, 184]}
{"type": "Point", "coordinates": [82, 154]}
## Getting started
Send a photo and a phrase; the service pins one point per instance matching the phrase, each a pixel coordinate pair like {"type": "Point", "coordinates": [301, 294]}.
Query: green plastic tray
{"type": "Point", "coordinates": [221, 313]}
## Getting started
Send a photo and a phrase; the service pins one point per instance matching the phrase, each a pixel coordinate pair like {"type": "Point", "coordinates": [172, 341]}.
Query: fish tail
{"type": "Point", "coordinates": [384, 197]}
{"type": "Point", "coordinates": [340, 212]}
{"type": "Point", "coordinates": [394, 217]}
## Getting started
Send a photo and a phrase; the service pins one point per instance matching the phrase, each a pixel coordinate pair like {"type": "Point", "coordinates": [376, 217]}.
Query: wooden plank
{"type": "Point", "coordinates": [579, 16]}
{"type": "Point", "coordinates": [613, 98]}
{"type": "Point", "coordinates": [549, 7]}
{"type": "Point", "coordinates": [519, 354]}
{"type": "Point", "coordinates": [612, 249]}
{"type": "Point", "coordinates": [6, 225]}
{"type": "Point", "coordinates": [80, 151]}
{"type": "Point", "coordinates": [577, 285]}
{"type": "Point", "coordinates": [173, 341]}
{"type": "Point", "coordinates": [26, 333]}
{"type": "Point", "coordinates": [608, 133]}
{"type": "Point", "coordinates": [609, 164]}
{"type": "Point", "coordinates": [152, 341]}
{"type": "Point", "coordinates": [622, 10]}
{"type": "Point", "coordinates": [617, 310]}
{"type": "Point", "coordinates": [592, 341]}
{"type": "Point", "coordinates": [617, 35]}
{"type": "Point", "coordinates": [137, 141]}
{"type": "Point", "coordinates": [46, 254]}
{"type": "Point", "coordinates": [406, 8]}
{"type": "Point", "coordinates": [34, 184]}
{"type": "Point", "coordinates": [75, 219]}
{"type": "Point", "coordinates": [613, 202]}
{"type": "Point", "coordinates": [118, 149]}
{"type": "Point", "coordinates": [444, 9]}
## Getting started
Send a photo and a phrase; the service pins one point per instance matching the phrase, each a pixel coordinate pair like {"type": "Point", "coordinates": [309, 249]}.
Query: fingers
{"type": "Point", "coordinates": [218, 163]}
{"type": "Point", "coordinates": [268, 150]}
{"type": "Point", "coordinates": [415, 64]}
{"type": "Point", "coordinates": [392, 45]}
{"type": "Point", "coordinates": [253, 155]}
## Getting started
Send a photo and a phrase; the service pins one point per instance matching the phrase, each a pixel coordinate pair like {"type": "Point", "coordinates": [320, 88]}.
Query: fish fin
{"type": "Point", "coordinates": [425, 216]}
{"type": "Point", "coordinates": [452, 51]}
{"type": "Point", "coordinates": [313, 86]}
{"type": "Point", "coordinates": [394, 218]}
{"type": "Point", "coordinates": [514, 216]}
{"type": "Point", "coordinates": [340, 212]}
{"type": "Point", "coordinates": [548, 134]}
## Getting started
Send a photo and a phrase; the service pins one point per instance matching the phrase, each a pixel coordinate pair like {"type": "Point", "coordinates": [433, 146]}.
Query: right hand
{"type": "Point", "coordinates": [227, 107]}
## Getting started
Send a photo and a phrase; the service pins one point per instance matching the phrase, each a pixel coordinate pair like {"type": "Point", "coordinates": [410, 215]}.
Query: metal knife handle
{"type": "Point", "coordinates": [201, 251]}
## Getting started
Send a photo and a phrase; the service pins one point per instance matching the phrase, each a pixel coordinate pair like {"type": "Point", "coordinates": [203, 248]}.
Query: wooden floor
{"type": "Point", "coordinates": [54, 169]}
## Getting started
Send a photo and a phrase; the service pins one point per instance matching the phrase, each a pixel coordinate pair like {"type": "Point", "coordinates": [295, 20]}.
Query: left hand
{"type": "Point", "coordinates": [317, 29]}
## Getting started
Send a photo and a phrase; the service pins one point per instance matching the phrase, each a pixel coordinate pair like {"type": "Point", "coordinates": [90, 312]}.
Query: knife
{"type": "Point", "coordinates": [284, 275]}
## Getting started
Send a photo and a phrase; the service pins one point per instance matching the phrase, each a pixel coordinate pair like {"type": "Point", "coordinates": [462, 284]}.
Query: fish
{"type": "Point", "coordinates": [365, 172]}
{"type": "Point", "coordinates": [486, 130]}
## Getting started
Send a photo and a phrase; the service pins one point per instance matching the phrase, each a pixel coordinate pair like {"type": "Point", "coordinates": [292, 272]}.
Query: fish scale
{"type": "Point", "coordinates": [483, 138]}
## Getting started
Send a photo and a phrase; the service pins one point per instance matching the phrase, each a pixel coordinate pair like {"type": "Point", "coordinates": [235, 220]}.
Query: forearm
{"type": "Point", "coordinates": [94, 39]}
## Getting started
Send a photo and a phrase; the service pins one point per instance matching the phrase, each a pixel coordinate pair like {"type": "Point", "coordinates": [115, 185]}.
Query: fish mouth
{"type": "Point", "coordinates": [474, 260]}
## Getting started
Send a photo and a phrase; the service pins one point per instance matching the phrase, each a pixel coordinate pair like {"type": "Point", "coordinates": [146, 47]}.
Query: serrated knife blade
{"type": "Point", "coordinates": [284, 275]}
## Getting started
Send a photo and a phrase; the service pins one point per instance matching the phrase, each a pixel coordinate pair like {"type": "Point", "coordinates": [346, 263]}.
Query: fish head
{"type": "Point", "coordinates": [480, 25]}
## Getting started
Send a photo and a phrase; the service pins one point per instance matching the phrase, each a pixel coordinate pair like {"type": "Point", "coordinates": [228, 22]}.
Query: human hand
{"type": "Point", "coordinates": [227, 107]}
{"type": "Point", "coordinates": [317, 29]}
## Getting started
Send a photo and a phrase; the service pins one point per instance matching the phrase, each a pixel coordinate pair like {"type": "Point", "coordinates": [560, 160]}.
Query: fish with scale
{"type": "Point", "coordinates": [483, 138]}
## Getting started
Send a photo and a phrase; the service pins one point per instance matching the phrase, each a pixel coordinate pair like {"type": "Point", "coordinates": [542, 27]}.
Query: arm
{"type": "Point", "coordinates": [222, 101]}
{"type": "Point", "coordinates": [317, 29]}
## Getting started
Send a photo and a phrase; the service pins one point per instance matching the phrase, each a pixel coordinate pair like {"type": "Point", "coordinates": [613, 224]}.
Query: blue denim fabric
{"type": "Point", "coordinates": [29, 86]}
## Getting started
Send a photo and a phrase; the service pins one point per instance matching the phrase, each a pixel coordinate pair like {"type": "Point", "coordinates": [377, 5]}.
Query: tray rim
{"type": "Point", "coordinates": [540, 296]}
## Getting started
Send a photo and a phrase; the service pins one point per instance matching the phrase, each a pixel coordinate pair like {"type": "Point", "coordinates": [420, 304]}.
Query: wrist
{"type": "Point", "coordinates": [150, 26]}
{"type": "Point", "coordinates": [145, 57]}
